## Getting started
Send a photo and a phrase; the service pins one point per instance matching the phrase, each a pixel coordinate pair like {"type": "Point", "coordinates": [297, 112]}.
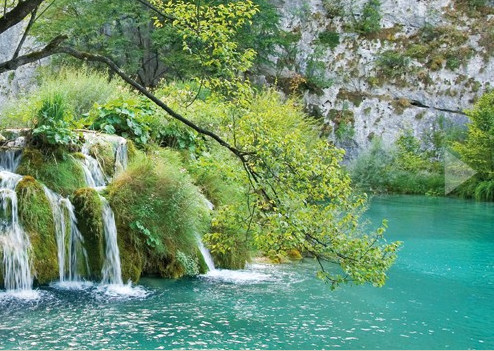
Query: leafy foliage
{"type": "Point", "coordinates": [125, 31]}
{"type": "Point", "coordinates": [208, 34]}
{"type": "Point", "coordinates": [52, 126]}
{"type": "Point", "coordinates": [370, 20]}
{"type": "Point", "coordinates": [478, 148]}
{"type": "Point", "coordinates": [301, 198]}
{"type": "Point", "coordinates": [127, 118]}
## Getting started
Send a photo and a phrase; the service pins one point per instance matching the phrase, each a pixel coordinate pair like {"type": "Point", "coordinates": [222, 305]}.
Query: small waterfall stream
{"type": "Point", "coordinates": [112, 273]}
{"type": "Point", "coordinates": [95, 178]}
{"type": "Point", "coordinates": [14, 241]}
{"type": "Point", "coordinates": [206, 255]}
{"type": "Point", "coordinates": [71, 254]}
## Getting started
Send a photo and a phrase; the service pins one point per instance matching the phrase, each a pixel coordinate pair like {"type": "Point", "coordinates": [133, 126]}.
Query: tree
{"type": "Point", "coordinates": [478, 149]}
{"type": "Point", "coordinates": [125, 31]}
{"type": "Point", "coordinates": [302, 195]}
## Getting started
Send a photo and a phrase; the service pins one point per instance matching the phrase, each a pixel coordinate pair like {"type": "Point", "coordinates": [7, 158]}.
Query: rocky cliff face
{"type": "Point", "coordinates": [15, 82]}
{"type": "Point", "coordinates": [424, 62]}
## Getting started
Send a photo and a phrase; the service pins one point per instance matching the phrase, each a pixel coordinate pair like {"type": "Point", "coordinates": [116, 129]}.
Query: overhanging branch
{"type": "Point", "coordinates": [48, 50]}
{"type": "Point", "coordinates": [114, 67]}
{"type": "Point", "coordinates": [18, 13]}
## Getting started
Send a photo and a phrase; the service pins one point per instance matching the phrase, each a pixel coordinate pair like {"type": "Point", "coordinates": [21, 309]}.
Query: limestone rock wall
{"type": "Point", "coordinates": [19, 81]}
{"type": "Point", "coordinates": [430, 60]}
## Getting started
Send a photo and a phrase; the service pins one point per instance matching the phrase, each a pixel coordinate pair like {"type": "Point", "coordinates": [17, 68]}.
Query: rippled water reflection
{"type": "Point", "coordinates": [440, 295]}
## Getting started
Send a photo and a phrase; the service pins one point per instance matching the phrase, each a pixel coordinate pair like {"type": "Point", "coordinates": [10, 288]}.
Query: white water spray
{"type": "Point", "coordinates": [69, 256]}
{"type": "Point", "coordinates": [112, 273]}
{"type": "Point", "coordinates": [14, 241]}
{"type": "Point", "coordinates": [121, 156]}
{"type": "Point", "coordinates": [10, 159]}
{"type": "Point", "coordinates": [111, 270]}
{"type": "Point", "coordinates": [207, 255]}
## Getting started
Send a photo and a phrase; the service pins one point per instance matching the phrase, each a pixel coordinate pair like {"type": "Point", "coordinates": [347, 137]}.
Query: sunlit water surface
{"type": "Point", "coordinates": [440, 295]}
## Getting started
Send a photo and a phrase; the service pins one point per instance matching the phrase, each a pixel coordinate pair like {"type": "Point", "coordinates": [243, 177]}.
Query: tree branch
{"type": "Point", "coordinates": [102, 59]}
{"type": "Point", "coordinates": [26, 31]}
{"type": "Point", "coordinates": [18, 13]}
{"type": "Point", "coordinates": [48, 50]}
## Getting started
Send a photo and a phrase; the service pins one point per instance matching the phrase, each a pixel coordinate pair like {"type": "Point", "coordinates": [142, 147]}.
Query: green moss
{"type": "Point", "coordinates": [131, 150]}
{"type": "Point", "coordinates": [88, 209]}
{"type": "Point", "coordinates": [203, 266]}
{"type": "Point", "coordinates": [57, 170]}
{"type": "Point", "coordinates": [131, 255]}
{"type": "Point", "coordinates": [103, 152]}
{"type": "Point", "coordinates": [158, 213]}
{"type": "Point", "coordinates": [36, 217]}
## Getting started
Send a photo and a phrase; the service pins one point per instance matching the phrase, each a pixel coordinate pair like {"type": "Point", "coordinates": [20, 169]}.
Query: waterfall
{"type": "Point", "coordinates": [62, 210]}
{"type": "Point", "coordinates": [14, 241]}
{"type": "Point", "coordinates": [206, 254]}
{"type": "Point", "coordinates": [10, 159]}
{"type": "Point", "coordinates": [111, 271]}
{"type": "Point", "coordinates": [95, 178]}
{"type": "Point", "coordinates": [93, 174]}
{"type": "Point", "coordinates": [121, 156]}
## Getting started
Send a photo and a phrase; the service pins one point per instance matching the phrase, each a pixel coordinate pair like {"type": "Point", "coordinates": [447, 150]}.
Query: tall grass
{"type": "Point", "coordinates": [80, 89]}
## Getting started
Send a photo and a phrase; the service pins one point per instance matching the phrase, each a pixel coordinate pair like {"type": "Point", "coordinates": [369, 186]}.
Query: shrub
{"type": "Point", "coordinates": [53, 124]}
{"type": "Point", "coordinates": [478, 148]}
{"type": "Point", "coordinates": [405, 168]}
{"type": "Point", "coordinates": [392, 64]}
{"type": "Point", "coordinates": [329, 38]}
{"type": "Point", "coordinates": [370, 20]}
{"type": "Point", "coordinates": [334, 8]}
{"type": "Point", "coordinates": [159, 212]}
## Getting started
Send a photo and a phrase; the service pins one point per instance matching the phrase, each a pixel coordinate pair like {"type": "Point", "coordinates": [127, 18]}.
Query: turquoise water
{"type": "Point", "coordinates": [440, 295]}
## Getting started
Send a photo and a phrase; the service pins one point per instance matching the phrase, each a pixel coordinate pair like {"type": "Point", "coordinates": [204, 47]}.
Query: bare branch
{"type": "Point", "coordinates": [26, 31]}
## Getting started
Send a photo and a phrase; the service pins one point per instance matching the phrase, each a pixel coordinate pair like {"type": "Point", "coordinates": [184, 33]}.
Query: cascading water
{"type": "Point", "coordinates": [206, 254]}
{"type": "Point", "coordinates": [10, 159]}
{"type": "Point", "coordinates": [111, 271]}
{"type": "Point", "coordinates": [74, 252]}
{"type": "Point", "coordinates": [121, 156]}
{"type": "Point", "coordinates": [95, 178]}
{"type": "Point", "coordinates": [13, 240]}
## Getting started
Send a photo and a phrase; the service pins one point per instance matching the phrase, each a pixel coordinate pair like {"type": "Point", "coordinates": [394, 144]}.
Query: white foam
{"type": "Point", "coordinates": [72, 285]}
{"type": "Point", "coordinates": [26, 295]}
{"type": "Point", "coordinates": [238, 277]}
{"type": "Point", "coordinates": [121, 291]}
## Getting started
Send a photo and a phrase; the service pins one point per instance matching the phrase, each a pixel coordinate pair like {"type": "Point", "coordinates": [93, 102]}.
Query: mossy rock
{"type": "Point", "coordinates": [88, 209]}
{"type": "Point", "coordinates": [59, 170]}
{"type": "Point", "coordinates": [104, 153]}
{"type": "Point", "coordinates": [131, 255]}
{"type": "Point", "coordinates": [203, 267]}
{"type": "Point", "coordinates": [36, 217]}
{"type": "Point", "coordinates": [131, 150]}
{"type": "Point", "coordinates": [158, 212]}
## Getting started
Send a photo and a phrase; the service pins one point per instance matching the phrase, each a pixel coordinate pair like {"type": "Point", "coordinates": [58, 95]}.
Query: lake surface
{"type": "Point", "coordinates": [440, 295]}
